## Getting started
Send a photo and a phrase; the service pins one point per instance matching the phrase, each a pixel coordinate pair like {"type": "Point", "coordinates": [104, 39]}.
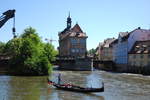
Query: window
{"type": "Point", "coordinates": [82, 40]}
{"type": "Point", "coordinates": [149, 63]}
{"type": "Point", "coordinates": [82, 50]}
{"type": "Point", "coordinates": [77, 50]}
{"type": "Point", "coordinates": [73, 41]}
{"type": "Point", "coordinates": [141, 63]}
{"type": "Point", "coordinates": [132, 63]}
{"type": "Point", "coordinates": [134, 56]}
{"type": "Point", "coordinates": [141, 56]}
{"type": "Point", "coordinates": [72, 50]}
{"type": "Point", "coordinates": [148, 55]}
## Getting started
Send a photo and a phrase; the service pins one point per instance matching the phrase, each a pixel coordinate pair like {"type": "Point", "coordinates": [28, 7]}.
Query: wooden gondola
{"type": "Point", "coordinates": [71, 87]}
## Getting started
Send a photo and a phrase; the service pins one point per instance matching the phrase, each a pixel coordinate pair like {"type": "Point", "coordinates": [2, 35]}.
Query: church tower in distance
{"type": "Point", "coordinates": [72, 41]}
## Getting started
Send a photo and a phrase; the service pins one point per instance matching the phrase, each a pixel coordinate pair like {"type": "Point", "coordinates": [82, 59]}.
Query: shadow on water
{"type": "Point", "coordinates": [56, 94]}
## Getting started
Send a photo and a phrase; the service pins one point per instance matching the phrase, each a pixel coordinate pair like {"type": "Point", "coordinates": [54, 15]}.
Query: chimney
{"type": "Point", "coordinates": [139, 27]}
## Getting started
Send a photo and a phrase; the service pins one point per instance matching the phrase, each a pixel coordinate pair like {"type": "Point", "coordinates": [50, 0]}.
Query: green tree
{"type": "Point", "coordinates": [92, 52]}
{"type": "Point", "coordinates": [50, 52]}
{"type": "Point", "coordinates": [30, 56]}
{"type": "Point", "coordinates": [12, 47]}
{"type": "Point", "coordinates": [2, 46]}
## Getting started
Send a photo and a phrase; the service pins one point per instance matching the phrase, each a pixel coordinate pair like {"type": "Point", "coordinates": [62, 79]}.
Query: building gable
{"type": "Point", "coordinates": [77, 29]}
{"type": "Point", "coordinates": [72, 41]}
{"type": "Point", "coordinates": [140, 47]}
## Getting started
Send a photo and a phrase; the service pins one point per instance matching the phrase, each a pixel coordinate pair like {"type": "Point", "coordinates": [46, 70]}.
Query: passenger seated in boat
{"type": "Point", "coordinates": [68, 85]}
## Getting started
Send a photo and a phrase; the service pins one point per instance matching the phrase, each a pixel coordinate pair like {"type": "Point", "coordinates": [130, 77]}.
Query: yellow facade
{"type": "Point", "coordinates": [139, 60]}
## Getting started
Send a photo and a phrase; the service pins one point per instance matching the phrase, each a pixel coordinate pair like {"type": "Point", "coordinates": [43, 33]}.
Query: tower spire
{"type": "Point", "coordinates": [69, 14]}
{"type": "Point", "coordinates": [69, 21]}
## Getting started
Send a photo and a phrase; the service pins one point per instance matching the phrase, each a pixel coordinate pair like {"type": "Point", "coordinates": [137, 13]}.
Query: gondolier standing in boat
{"type": "Point", "coordinates": [75, 88]}
{"type": "Point", "coordinates": [59, 78]}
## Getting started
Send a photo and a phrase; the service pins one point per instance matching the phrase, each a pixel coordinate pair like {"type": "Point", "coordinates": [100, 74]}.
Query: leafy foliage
{"type": "Point", "coordinates": [30, 56]}
{"type": "Point", "coordinates": [49, 52]}
{"type": "Point", "coordinates": [13, 47]}
{"type": "Point", "coordinates": [92, 52]}
{"type": "Point", "coordinates": [2, 46]}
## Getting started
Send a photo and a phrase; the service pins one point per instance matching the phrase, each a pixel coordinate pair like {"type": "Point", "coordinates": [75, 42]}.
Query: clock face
{"type": "Point", "coordinates": [69, 25]}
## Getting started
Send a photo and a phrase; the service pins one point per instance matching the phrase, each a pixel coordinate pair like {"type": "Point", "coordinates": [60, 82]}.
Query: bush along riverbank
{"type": "Point", "coordinates": [29, 56]}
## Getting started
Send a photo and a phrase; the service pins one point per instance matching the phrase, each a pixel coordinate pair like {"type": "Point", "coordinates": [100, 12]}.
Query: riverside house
{"type": "Point", "coordinates": [123, 45]}
{"type": "Point", "coordinates": [126, 40]}
{"type": "Point", "coordinates": [139, 57]}
{"type": "Point", "coordinates": [121, 48]}
{"type": "Point", "coordinates": [105, 50]}
{"type": "Point", "coordinates": [120, 51]}
{"type": "Point", "coordinates": [99, 50]}
{"type": "Point", "coordinates": [138, 35]}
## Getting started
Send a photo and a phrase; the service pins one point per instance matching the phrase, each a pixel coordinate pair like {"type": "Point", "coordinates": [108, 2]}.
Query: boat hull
{"type": "Point", "coordinates": [74, 88]}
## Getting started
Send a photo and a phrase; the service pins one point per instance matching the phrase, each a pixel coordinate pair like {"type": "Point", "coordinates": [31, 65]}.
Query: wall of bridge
{"type": "Point", "coordinates": [77, 64]}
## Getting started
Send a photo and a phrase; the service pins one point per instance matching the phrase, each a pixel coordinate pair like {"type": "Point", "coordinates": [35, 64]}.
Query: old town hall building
{"type": "Point", "coordinates": [72, 41]}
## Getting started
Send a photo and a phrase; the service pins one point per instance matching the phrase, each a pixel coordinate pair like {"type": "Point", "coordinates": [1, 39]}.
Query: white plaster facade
{"type": "Point", "coordinates": [138, 35]}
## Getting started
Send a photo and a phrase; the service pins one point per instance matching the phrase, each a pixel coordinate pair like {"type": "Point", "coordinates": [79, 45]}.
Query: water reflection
{"type": "Point", "coordinates": [4, 82]}
{"type": "Point", "coordinates": [25, 88]}
{"type": "Point", "coordinates": [117, 86]}
{"type": "Point", "coordinates": [93, 80]}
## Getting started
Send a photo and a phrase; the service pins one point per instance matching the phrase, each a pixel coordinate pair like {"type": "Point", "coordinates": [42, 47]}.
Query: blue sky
{"type": "Point", "coordinates": [100, 19]}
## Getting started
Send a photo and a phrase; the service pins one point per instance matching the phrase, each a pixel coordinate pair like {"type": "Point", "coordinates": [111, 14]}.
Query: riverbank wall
{"type": "Point", "coordinates": [124, 68]}
{"type": "Point", "coordinates": [4, 67]}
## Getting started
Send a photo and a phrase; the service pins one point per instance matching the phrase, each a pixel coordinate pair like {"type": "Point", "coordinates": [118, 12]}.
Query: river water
{"type": "Point", "coordinates": [118, 86]}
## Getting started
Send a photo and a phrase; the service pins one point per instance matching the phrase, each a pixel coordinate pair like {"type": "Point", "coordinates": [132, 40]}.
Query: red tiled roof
{"type": "Point", "coordinates": [108, 42]}
{"type": "Point", "coordinates": [77, 29]}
